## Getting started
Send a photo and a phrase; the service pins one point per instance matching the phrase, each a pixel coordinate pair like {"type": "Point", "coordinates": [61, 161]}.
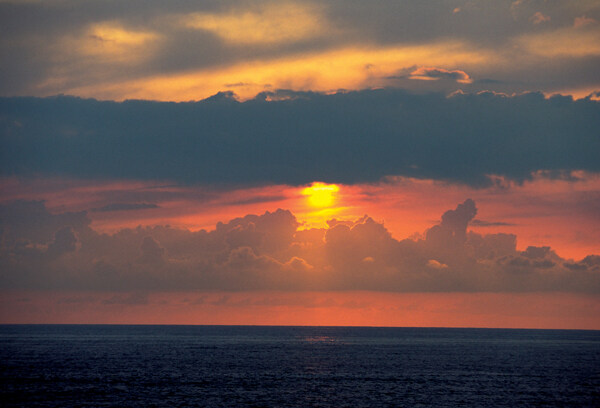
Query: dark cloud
{"type": "Point", "coordinates": [346, 137]}
{"type": "Point", "coordinates": [65, 240]}
{"type": "Point", "coordinates": [484, 223]}
{"type": "Point", "coordinates": [257, 200]}
{"type": "Point", "coordinates": [432, 73]}
{"type": "Point", "coordinates": [129, 300]}
{"type": "Point", "coordinates": [590, 262]}
{"type": "Point", "coordinates": [125, 207]}
{"type": "Point", "coordinates": [267, 252]}
{"type": "Point", "coordinates": [152, 252]}
{"type": "Point", "coordinates": [30, 221]}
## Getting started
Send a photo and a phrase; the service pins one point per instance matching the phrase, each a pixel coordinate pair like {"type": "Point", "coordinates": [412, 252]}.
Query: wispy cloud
{"type": "Point", "coordinates": [267, 23]}
{"type": "Point", "coordinates": [432, 73]}
{"type": "Point", "coordinates": [125, 207]}
{"type": "Point", "coordinates": [539, 18]}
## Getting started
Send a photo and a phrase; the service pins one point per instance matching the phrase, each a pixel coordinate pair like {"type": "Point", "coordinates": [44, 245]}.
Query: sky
{"type": "Point", "coordinates": [300, 163]}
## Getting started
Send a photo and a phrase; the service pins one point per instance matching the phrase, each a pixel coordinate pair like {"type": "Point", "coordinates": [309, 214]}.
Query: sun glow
{"type": "Point", "coordinates": [321, 195]}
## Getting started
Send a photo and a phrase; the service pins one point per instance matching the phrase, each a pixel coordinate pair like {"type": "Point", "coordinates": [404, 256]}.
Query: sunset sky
{"type": "Point", "coordinates": [390, 163]}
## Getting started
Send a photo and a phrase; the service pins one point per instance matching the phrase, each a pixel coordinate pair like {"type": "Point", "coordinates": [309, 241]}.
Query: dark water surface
{"type": "Point", "coordinates": [231, 366]}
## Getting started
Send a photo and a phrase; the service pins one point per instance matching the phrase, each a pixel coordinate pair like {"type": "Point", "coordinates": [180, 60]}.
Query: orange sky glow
{"type": "Point", "coordinates": [540, 211]}
{"type": "Point", "coordinates": [497, 310]}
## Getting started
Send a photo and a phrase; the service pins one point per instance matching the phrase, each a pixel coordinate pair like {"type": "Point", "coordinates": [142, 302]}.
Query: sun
{"type": "Point", "coordinates": [321, 195]}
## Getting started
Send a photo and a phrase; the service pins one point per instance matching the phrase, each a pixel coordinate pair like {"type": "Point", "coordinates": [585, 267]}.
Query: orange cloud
{"type": "Point", "coordinates": [349, 68]}
{"type": "Point", "coordinates": [434, 74]}
{"type": "Point", "coordinates": [539, 18]}
{"type": "Point", "coordinates": [271, 23]}
{"type": "Point", "coordinates": [564, 42]}
{"type": "Point", "coordinates": [110, 41]}
{"type": "Point", "coordinates": [583, 21]}
{"type": "Point", "coordinates": [269, 252]}
{"type": "Point", "coordinates": [432, 263]}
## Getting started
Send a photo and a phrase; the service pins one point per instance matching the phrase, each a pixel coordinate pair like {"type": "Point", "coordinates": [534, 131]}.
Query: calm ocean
{"type": "Point", "coordinates": [239, 366]}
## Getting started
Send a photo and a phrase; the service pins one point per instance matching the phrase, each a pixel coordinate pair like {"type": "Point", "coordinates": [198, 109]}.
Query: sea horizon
{"type": "Point", "coordinates": [297, 325]}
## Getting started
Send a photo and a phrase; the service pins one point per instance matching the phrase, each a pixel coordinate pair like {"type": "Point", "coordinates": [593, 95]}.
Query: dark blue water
{"type": "Point", "coordinates": [231, 366]}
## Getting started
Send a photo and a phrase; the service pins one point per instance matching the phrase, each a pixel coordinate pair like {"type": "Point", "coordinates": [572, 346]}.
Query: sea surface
{"type": "Point", "coordinates": [249, 366]}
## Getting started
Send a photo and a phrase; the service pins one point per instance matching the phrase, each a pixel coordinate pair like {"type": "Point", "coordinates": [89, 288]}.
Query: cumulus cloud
{"type": "Point", "coordinates": [152, 252]}
{"type": "Point", "coordinates": [453, 227]}
{"type": "Point", "coordinates": [465, 137]}
{"type": "Point", "coordinates": [64, 241]}
{"type": "Point", "coordinates": [432, 263]}
{"type": "Point", "coordinates": [269, 252]}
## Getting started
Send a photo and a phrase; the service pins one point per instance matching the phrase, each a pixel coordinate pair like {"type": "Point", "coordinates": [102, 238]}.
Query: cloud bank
{"type": "Point", "coordinates": [44, 251]}
{"type": "Point", "coordinates": [296, 138]}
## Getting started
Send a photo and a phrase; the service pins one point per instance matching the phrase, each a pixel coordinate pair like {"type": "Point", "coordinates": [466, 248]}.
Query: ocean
{"type": "Point", "coordinates": [258, 366]}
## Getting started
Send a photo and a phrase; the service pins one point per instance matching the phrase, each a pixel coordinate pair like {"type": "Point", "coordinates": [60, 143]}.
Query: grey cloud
{"type": "Point", "coordinates": [129, 300]}
{"type": "Point", "coordinates": [125, 207]}
{"type": "Point", "coordinates": [257, 200]}
{"type": "Point", "coordinates": [347, 137]}
{"type": "Point", "coordinates": [31, 221]}
{"type": "Point", "coordinates": [533, 252]}
{"type": "Point", "coordinates": [452, 231]}
{"type": "Point", "coordinates": [267, 252]}
{"type": "Point", "coordinates": [590, 262]}
{"type": "Point", "coordinates": [65, 240]}
{"type": "Point", "coordinates": [152, 252]}
{"type": "Point", "coordinates": [484, 223]}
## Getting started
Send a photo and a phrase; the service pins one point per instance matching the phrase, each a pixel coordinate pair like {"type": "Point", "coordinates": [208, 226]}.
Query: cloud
{"type": "Point", "coordinates": [432, 263]}
{"type": "Point", "coordinates": [152, 252]}
{"type": "Point", "coordinates": [562, 43]}
{"type": "Point", "coordinates": [539, 18]}
{"type": "Point", "coordinates": [113, 42]}
{"type": "Point", "coordinates": [453, 228]}
{"type": "Point", "coordinates": [267, 23]}
{"type": "Point", "coordinates": [352, 67]}
{"type": "Point", "coordinates": [590, 262]}
{"type": "Point", "coordinates": [125, 207]}
{"type": "Point", "coordinates": [483, 223]}
{"type": "Point", "coordinates": [256, 200]}
{"type": "Point", "coordinates": [583, 21]}
{"type": "Point", "coordinates": [129, 300]}
{"type": "Point", "coordinates": [65, 240]}
{"type": "Point", "coordinates": [190, 50]}
{"type": "Point", "coordinates": [268, 252]}
{"type": "Point", "coordinates": [463, 138]}
{"type": "Point", "coordinates": [432, 74]}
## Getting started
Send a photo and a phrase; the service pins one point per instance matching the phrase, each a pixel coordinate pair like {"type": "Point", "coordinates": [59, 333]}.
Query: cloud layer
{"type": "Point", "coordinates": [181, 50]}
{"type": "Point", "coordinates": [42, 251]}
{"type": "Point", "coordinates": [296, 138]}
